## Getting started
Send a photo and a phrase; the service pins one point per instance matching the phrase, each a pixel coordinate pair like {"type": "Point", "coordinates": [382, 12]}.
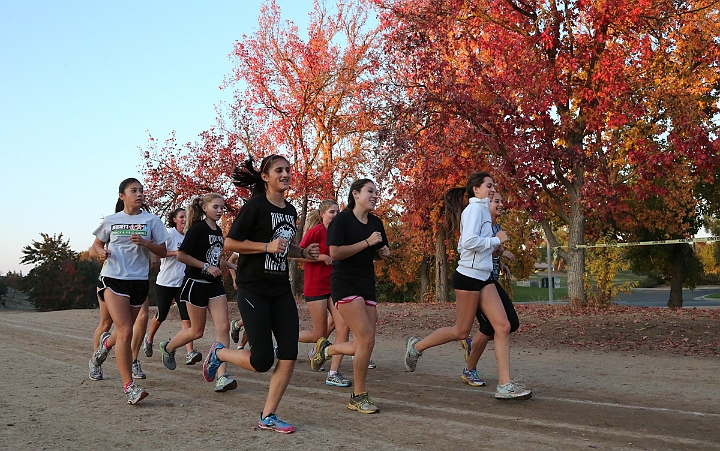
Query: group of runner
{"type": "Point", "coordinates": [339, 249]}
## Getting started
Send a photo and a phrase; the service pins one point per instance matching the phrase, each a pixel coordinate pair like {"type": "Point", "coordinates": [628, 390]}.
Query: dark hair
{"type": "Point", "coordinates": [120, 205]}
{"type": "Point", "coordinates": [455, 197]}
{"type": "Point", "coordinates": [246, 176]}
{"type": "Point", "coordinates": [171, 217]}
{"type": "Point", "coordinates": [356, 186]}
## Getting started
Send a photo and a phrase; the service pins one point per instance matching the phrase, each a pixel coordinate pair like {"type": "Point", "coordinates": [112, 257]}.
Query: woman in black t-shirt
{"type": "Point", "coordinates": [356, 239]}
{"type": "Point", "coordinates": [202, 289]}
{"type": "Point", "coordinates": [262, 234]}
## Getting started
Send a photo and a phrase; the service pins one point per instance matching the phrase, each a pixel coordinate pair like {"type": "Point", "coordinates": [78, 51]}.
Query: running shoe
{"type": "Point", "coordinates": [225, 383]}
{"type": "Point", "coordinates": [371, 364]}
{"type": "Point", "coordinates": [513, 390]}
{"type": "Point", "coordinates": [472, 378]}
{"type": "Point", "coordinates": [193, 357]}
{"type": "Point", "coordinates": [168, 357]}
{"type": "Point", "coordinates": [134, 393]}
{"type": "Point", "coordinates": [235, 330]}
{"type": "Point", "coordinates": [319, 354]}
{"type": "Point", "coordinates": [362, 403]}
{"type": "Point", "coordinates": [273, 423]}
{"type": "Point", "coordinates": [310, 354]}
{"type": "Point", "coordinates": [96, 373]}
{"type": "Point", "coordinates": [275, 350]}
{"type": "Point", "coordinates": [467, 345]}
{"type": "Point", "coordinates": [137, 372]}
{"type": "Point", "coordinates": [101, 352]}
{"type": "Point", "coordinates": [338, 380]}
{"type": "Point", "coordinates": [212, 363]}
{"type": "Point", "coordinates": [147, 347]}
{"type": "Point", "coordinates": [411, 354]}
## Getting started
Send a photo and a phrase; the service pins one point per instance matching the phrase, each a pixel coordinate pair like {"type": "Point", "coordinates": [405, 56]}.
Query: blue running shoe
{"type": "Point", "coordinates": [212, 363]}
{"type": "Point", "coordinates": [273, 423]}
{"type": "Point", "coordinates": [472, 378]}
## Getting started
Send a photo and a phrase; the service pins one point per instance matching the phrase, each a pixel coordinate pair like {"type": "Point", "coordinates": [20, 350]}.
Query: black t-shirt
{"type": "Point", "coordinates": [261, 221]}
{"type": "Point", "coordinates": [355, 275]}
{"type": "Point", "coordinates": [206, 245]}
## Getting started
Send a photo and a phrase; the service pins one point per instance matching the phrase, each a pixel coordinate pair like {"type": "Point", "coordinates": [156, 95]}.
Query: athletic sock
{"type": "Point", "coordinates": [332, 373]}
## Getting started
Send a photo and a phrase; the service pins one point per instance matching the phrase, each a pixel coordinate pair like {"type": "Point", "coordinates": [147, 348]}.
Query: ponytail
{"type": "Point", "coordinates": [246, 176]}
{"type": "Point", "coordinates": [195, 212]}
{"type": "Point", "coordinates": [120, 205]}
{"type": "Point", "coordinates": [455, 199]}
{"type": "Point", "coordinates": [313, 218]}
{"type": "Point", "coordinates": [171, 218]}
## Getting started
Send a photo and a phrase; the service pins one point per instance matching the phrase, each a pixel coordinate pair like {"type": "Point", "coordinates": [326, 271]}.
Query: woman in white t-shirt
{"type": "Point", "coordinates": [169, 284]}
{"type": "Point", "coordinates": [125, 240]}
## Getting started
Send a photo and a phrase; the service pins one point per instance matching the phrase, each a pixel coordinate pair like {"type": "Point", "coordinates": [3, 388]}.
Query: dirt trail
{"type": "Point", "coordinates": [583, 399]}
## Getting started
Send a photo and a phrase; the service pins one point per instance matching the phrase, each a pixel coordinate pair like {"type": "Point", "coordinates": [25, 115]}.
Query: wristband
{"type": "Point", "coordinates": [266, 247]}
{"type": "Point", "coordinates": [368, 242]}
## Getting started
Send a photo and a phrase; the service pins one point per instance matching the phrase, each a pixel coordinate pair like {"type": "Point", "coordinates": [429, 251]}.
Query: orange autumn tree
{"type": "Point", "coordinates": [579, 107]}
{"type": "Point", "coordinates": [312, 96]}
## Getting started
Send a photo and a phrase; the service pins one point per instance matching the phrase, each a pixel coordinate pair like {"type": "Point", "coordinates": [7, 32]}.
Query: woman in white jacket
{"type": "Point", "coordinates": [473, 282]}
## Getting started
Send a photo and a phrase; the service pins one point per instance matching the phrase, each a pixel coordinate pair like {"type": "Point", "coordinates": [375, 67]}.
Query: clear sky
{"type": "Point", "coordinates": [81, 85]}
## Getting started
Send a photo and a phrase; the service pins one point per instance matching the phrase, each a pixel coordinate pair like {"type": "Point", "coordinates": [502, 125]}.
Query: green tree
{"type": "Point", "coordinates": [60, 280]}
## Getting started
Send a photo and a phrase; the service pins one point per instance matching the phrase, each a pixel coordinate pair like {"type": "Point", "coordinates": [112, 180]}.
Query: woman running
{"type": "Point", "coordinates": [474, 287]}
{"type": "Point", "coordinates": [131, 235]}
{"type": "Point", "coordinates": [202, 289]}
{"type": "Point", "coordinates": [474, 348]}
{"type": "Point", "coordinates": [317, 289]}
{"type": "Point", "coordinates": [169, 284]}
{"type": "Point", "coordinates": [262, 234]}
{"type": "Point", "coordinates": [356, 239]}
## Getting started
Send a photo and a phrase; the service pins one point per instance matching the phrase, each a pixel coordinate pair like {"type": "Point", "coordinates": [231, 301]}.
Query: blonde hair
{"type": "Point", "coordinates": [313, 218]}
{"type": "Point", "coordinates": [195, 211]}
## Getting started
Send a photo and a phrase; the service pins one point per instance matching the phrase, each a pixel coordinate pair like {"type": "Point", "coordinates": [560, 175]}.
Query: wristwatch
{"type": "Point", "coordinates": [205, 267]}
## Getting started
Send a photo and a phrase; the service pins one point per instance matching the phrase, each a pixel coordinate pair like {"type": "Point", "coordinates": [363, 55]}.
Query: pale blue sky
{"type": "Point", "coordinates": [80, 84]}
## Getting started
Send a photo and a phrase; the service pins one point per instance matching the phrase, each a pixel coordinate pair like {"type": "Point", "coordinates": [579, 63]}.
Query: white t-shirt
{"type": "Point", "coordinates": [127, 260]}
{"type": "Point", "coordinates": [171, 270]}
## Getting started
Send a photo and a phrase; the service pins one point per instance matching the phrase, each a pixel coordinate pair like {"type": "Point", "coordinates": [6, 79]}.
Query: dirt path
{"type": "Point", "coordinates": [583, 400]}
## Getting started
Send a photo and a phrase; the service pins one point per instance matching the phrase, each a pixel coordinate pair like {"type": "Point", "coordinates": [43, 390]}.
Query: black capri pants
{"type": "Point", "coordinates": [265, 316]}
{"type": "Point", "coordinates": [165, 297]}
{"type": "Point", "coordinates": [485, 326]}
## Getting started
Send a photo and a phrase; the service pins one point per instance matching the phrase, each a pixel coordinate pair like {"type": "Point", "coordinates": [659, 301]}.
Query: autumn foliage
{"type": "Point", "coordinates": [582, 109]}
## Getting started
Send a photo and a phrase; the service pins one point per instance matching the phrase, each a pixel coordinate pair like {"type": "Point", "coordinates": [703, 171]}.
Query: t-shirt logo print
{"type": "Point", "coordinates": [129, 229]}
{"type": "Point", "coordinates": [283, 227]}
{"type": "Point", "coordinates": [215, 249]}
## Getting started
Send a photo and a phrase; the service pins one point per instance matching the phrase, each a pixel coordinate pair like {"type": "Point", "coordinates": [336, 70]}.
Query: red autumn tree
{"type": "Point", "coordinates": [580, 108]}
{"type": "Point", "coordinates": [311, 96]}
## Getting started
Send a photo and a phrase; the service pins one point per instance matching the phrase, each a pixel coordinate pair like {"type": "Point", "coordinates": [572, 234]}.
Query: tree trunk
{"type": "Point", "coordinates": [441, 270]}
{"type": "Point", "coordinates": [425, 276]}
{"type": "Point", "coordinates": [574, 257]}
{"type": "Point", "coordinates": [677, 277]}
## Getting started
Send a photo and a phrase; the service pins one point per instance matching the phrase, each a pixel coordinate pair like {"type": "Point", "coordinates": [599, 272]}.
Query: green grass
{"type": "Point", "coordinates": [713, 296]}
{"type": "Point", "coordinates": [532, 294]}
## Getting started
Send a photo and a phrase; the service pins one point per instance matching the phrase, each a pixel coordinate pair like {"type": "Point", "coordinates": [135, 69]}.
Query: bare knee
{"type": "Point", "coordinates": [502, 329]}
{"type": "Point", "coordinates": [123, 334]}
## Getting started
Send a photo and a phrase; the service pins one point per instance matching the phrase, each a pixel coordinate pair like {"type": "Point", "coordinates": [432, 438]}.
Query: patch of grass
{"type": "Point", "coordinates": [713, 296]}
{"type": "Point", "coordinates": [533, 294]}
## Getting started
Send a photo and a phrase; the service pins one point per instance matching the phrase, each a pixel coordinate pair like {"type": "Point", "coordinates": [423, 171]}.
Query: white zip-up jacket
{"type": "Point", "coordinates": [477, 242]}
